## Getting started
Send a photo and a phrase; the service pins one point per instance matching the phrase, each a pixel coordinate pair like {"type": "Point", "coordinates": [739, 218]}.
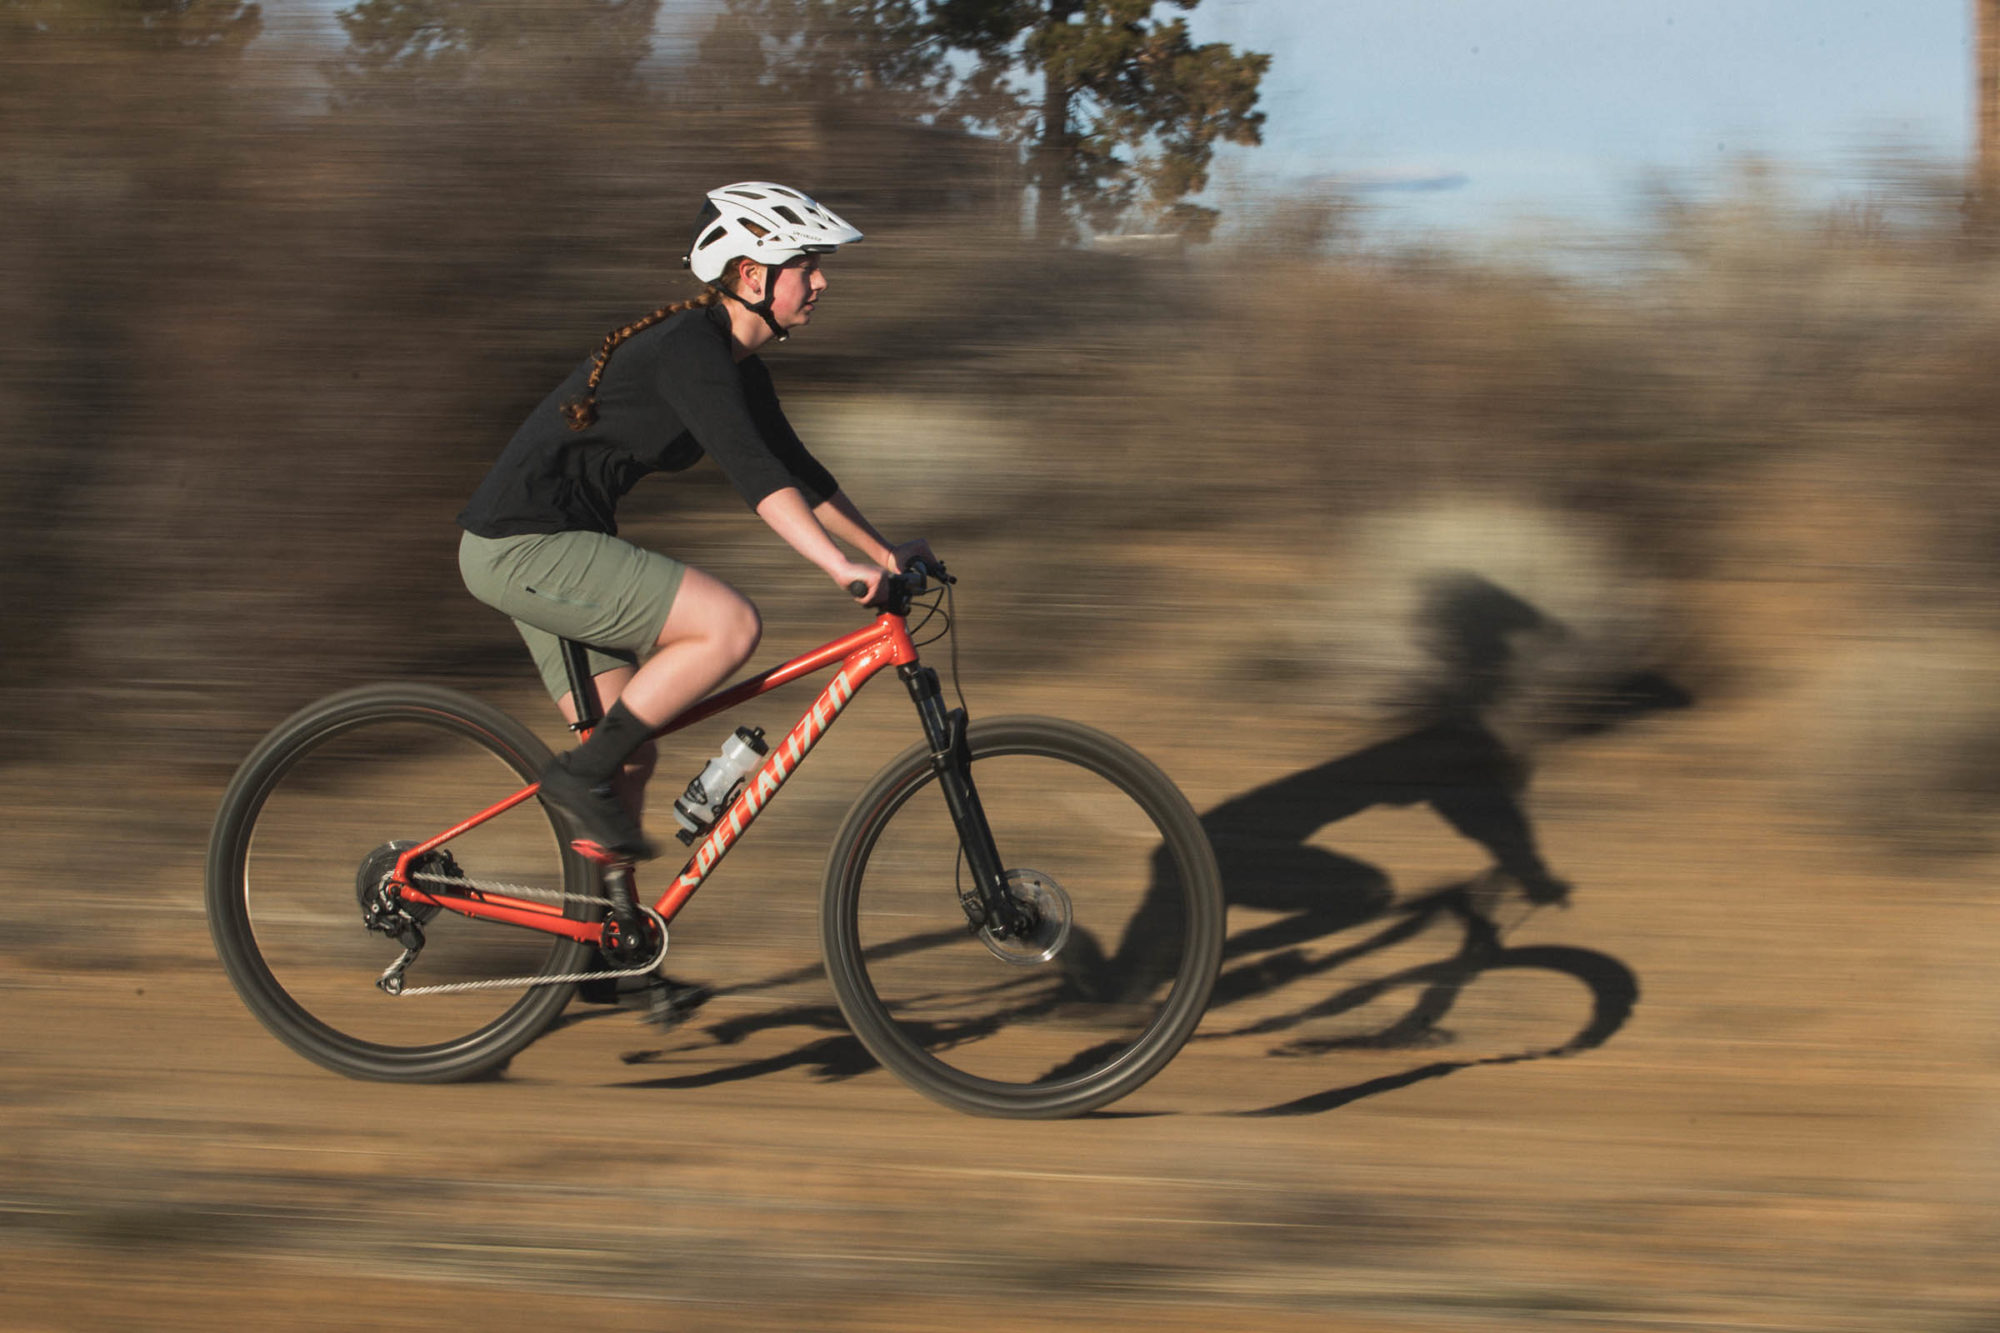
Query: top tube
{"type": "Point", "coordinates": [889, 634]}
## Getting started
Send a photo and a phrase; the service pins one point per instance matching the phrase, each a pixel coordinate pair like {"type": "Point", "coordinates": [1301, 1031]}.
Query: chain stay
{"type": "Point", "coordinates": [391, 981]}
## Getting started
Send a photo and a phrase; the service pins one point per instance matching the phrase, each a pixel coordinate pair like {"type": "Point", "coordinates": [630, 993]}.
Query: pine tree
{"type": "Point", "coordinates": [1117, 111]}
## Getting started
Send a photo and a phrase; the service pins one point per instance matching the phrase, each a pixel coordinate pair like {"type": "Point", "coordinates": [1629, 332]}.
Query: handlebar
{"type": "Point", "coordinates": [896, 590]}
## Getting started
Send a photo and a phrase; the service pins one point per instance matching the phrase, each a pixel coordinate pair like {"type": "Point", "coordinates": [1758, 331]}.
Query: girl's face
{"type": "Point", "coordinates": [799, 284]}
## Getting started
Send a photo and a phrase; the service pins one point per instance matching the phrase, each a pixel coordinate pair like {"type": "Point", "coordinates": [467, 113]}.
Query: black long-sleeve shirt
{"type": "Point", "coordinates": [669, 394]}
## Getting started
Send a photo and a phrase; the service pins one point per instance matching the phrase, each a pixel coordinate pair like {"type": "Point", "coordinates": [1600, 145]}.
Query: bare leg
{"type": "Point", "coordinates": [711, 631]}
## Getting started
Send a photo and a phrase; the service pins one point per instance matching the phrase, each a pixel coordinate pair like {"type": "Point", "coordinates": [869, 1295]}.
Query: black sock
{"type": "Point", "coordinates": [611, 743]}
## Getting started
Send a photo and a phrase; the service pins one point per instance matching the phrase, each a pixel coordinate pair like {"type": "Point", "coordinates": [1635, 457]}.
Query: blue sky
{"type": "Point", "coordinates": [1560, 108]}
{"type": "Point", "coordinates": [1516, 110]}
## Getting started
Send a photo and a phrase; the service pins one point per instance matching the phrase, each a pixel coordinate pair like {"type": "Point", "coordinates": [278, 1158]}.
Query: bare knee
{"type": "Point", "coordinates": [714, 623]}
{"type": "Point", "coordinates": [739, 636]}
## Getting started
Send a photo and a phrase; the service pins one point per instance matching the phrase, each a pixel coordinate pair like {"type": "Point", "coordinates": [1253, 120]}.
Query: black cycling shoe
{"type": "Point", "coordinates": [598, 812]}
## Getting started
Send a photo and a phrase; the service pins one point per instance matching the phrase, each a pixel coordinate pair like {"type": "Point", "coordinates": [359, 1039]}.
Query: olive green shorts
{"type": "Point", "coordinates": [587, 586]}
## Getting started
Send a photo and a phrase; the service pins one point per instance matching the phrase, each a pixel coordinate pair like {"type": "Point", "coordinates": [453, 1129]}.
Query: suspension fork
{"type": "Point", "coordinates": [951, 759]}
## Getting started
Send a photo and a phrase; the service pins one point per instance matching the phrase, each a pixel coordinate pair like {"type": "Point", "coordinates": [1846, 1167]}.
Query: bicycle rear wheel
{"type": "Point", "coordinates": [1093, 1005]}
{"type": "Point", "coordinates": [309, 819]}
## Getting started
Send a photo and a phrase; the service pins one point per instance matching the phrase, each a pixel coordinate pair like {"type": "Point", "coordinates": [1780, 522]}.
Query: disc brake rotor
{"type": "Point", "coordinates": [1051, 908]}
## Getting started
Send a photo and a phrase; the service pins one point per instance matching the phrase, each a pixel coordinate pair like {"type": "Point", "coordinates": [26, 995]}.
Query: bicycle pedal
{"type": "Point", "coordinates": [673, 1003]}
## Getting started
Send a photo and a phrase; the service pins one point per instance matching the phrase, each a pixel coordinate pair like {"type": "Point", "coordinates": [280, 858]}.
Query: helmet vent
{"type": "Point", "coordinates": [788, 215]}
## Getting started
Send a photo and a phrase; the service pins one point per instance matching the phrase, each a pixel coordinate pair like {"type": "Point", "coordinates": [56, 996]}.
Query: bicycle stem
{"type": "Point", "coordinates": [951, 759]}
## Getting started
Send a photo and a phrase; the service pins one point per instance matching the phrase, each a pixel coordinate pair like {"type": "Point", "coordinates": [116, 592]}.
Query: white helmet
{"type": "Point", "coordinates": [765, 222]}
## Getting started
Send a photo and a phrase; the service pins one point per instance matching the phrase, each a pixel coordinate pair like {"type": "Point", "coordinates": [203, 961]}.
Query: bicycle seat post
{"type": "Point", "coordinates": [582, 690]}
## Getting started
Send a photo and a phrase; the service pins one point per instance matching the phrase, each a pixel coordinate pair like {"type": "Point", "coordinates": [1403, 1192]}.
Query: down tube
{"type": "Point", "coordinates": [784, 761]}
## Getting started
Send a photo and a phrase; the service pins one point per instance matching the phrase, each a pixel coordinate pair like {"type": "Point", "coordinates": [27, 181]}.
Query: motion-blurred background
{"type": "Point", "coordinates": [1219, 456]}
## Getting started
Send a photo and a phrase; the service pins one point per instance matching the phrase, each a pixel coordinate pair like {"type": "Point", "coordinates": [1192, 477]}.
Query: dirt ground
{"type": "Point", "coordinates": [1749, 1079]}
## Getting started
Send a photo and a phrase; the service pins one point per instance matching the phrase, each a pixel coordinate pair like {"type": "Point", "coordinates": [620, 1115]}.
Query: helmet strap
{"type": "Point", "coordinates": [778, 331]}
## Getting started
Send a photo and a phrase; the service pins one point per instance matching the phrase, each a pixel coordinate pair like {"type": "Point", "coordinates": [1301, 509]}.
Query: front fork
{"type": "Point", "coordinates": [990, 907]}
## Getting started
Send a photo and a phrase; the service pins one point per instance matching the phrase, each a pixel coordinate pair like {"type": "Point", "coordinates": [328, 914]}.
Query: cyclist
{"type": "Point", "coordinates": [540, 541]}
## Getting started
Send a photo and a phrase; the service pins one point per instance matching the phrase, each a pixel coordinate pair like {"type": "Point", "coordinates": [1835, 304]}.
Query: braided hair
{"type": "Point", "coordinates": [581, 411]}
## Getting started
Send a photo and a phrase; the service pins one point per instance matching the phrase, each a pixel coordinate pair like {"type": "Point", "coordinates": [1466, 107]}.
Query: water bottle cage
{"type": "Point", "coordinates": [696, 810]}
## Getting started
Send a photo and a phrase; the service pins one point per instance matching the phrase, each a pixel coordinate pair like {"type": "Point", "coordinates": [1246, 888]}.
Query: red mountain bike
{"type": "Point", "coordinates": [1020, 917]}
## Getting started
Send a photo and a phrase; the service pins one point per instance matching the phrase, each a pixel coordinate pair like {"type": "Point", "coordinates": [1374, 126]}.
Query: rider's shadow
{"type": "Point", "coordinates": [1453, 762]}
{"type": "Point", "coordinates": [1462, 772]}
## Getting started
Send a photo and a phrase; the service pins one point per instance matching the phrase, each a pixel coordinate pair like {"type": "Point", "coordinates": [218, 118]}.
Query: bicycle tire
{"type": "Point", "coordinates": [1035, 1038]}
{"type": "Point", "coordinates": [306, 809]}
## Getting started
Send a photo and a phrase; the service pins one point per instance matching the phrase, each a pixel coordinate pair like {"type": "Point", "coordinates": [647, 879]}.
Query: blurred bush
{"type": "Point", "coordinates": [266, 315]}
{"type": "Point", "coordinates": [1903, 741]}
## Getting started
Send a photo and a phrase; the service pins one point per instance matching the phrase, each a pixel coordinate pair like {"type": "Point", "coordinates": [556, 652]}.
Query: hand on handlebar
{"type": "Point", "coordinates": [869, 584]}
{"type": "Point", "coordinates": [916, 555]}
{"type": "Point", "coordinates": [917, 561]}
{"type": "Point", "coordinates": [862, 580]}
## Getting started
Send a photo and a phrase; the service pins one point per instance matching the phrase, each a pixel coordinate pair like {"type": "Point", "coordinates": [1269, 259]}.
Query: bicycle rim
{"type": "Point", "coordinates": [307, 811]}
{"type": "Point", "coordinates": [1051, 1026]}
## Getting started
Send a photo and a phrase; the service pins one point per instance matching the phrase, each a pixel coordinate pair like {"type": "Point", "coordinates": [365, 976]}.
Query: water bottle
{"type": "Point", "coordinates": [710, 793]}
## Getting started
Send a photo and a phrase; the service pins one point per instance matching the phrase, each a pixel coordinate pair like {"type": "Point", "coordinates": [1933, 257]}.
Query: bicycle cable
{"type": "Point", "coordinates": [942, 604]}
{"type": "Point", "coordinates": [950, 621]}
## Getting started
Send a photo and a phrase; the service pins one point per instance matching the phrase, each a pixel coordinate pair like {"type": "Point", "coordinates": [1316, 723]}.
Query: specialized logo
{"type": "Point", "coordinates": [784, 758]}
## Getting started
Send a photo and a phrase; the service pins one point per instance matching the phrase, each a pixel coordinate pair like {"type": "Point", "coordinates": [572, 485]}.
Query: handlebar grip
{"type": "Point", "coordinates": [856, 588]}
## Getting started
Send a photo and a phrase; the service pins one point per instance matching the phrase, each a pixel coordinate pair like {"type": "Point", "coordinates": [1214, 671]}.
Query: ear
{"type": "Point", "coordinates": [751, 274]}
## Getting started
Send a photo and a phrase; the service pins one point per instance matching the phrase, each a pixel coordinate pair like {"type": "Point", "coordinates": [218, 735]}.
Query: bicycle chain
{"type": "Point", "coordinates": [514, 890]}
{"type": "Point", "coordinates": [393, 977]}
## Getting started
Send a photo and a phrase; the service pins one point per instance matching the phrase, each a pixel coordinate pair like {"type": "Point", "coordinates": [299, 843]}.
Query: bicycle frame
{"type": "Point", "coordinates": [860, 655]}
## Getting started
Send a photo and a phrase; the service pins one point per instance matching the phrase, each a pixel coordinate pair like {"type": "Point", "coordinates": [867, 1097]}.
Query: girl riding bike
{"type": "Point", "coordinates": [541, 543]}
{"type": "Point", "coordinates": [1021, 916]}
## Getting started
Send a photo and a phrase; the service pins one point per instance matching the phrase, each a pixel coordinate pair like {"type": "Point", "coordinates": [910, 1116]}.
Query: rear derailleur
{"type": "Point", "coordinates": [384, 910]}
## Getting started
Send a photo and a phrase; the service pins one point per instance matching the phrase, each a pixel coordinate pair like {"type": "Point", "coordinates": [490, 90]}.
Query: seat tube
{"type": "Point", "coordinates": [951, 758]}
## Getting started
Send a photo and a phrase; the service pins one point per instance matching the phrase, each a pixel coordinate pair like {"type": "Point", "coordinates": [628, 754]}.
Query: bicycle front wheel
{"type": "Point", "coordinates": [316, 815]}
{"type": "Point", "coordinates": [1089, 1006]}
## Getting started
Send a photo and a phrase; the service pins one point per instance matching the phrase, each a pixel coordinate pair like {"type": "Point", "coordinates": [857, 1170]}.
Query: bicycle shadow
{"type": "Point", "coordinates": [1450, 760]}
{"type": "Point", "coordinates": [1613, 989]}
{"type": "Point", "coordinates": [840, 1055]}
